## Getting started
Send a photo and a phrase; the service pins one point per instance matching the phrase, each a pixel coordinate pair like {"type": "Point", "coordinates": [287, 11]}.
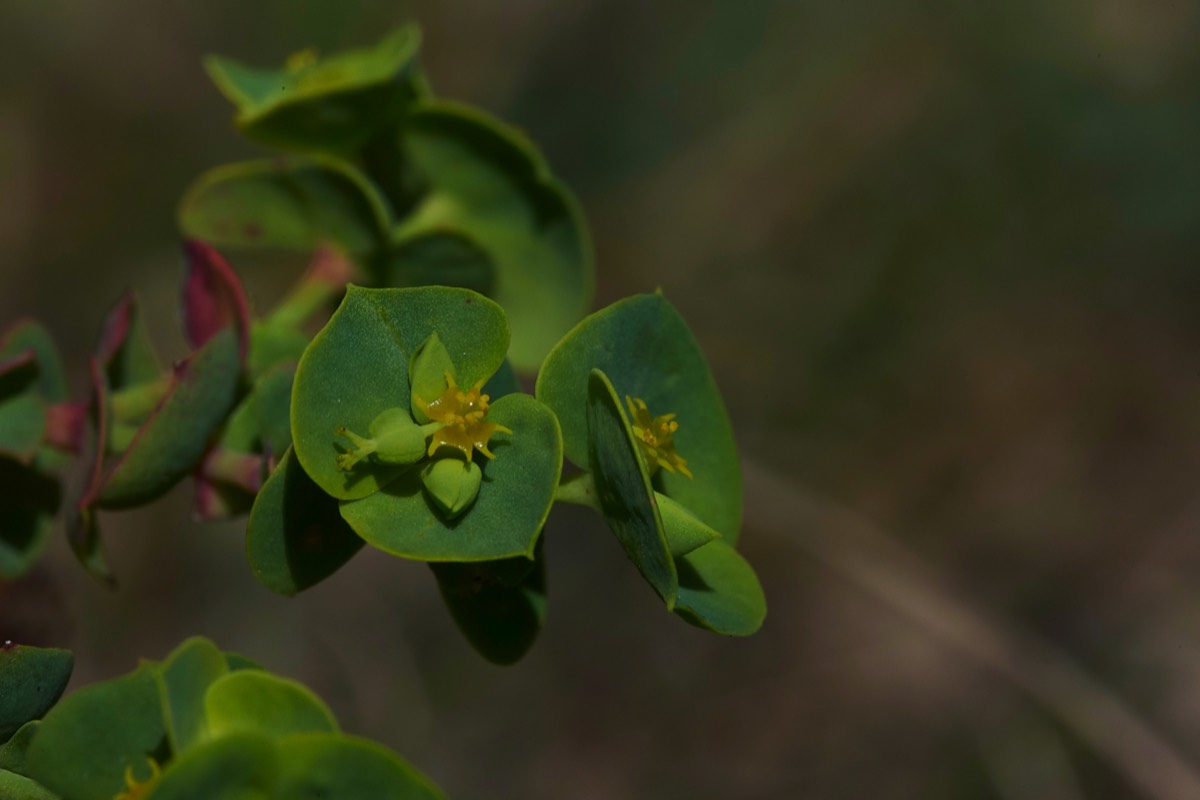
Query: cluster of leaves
{"type": "Point", "coordinates": [198, 725]}
{"type": "Point", "coordinates": [401, 424]}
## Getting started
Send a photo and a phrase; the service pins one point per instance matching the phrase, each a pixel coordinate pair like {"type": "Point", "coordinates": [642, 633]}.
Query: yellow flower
{"type": "Point", "coordinates": [135, 789]}
{"type": "Point", "coordinates": [461, 415]}
{"type": "Point", "coordinates": [655, 436]}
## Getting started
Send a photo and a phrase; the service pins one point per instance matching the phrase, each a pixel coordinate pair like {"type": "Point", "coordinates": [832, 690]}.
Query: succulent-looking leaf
{"type": "Point", "coordinates": [18, 787]}
{"type": "Point", "coordinates": [336, 103]}
{"type": "Point", "coordinates": [624, 491]}
{"type": "Point", "coordinates": [213, 297]}
{"type": "Point", "coordinates": [250, 700]}
{"type": "Point", "coordinates": [22, 410]}
{"type": "Point", "coordinates": [28, 502]}
{"type": "Point", "coordinates": [31, 681]}
{"type": "Point", "coordinates": [499, 606]}
{"type": "Point", "coordinates": [514, 498]}
{"type": "Point", "coordinates": [183, 678]}
{"type": "Point", "coordinates": [171, 441]}
{"type": "Point", "coordinates": [13, 752]}
{"type": "Point", "coordinates": [357, 367]}
{"type": "Point", "coordinates": [124, 348]}
{"type": "Point", "coordinates": [86, 742]}
{"type": "Point", "coordinates": [646, 350]}
{"type": "Point", "coordinates": [322, 765]}
{"type": "Point", "coordinates": [238, 766]}
{"type": "Point", "coordinates": [293, 202]}
{"type": "Point", "coordinates": [295, 537]}
{"type": "Point", "coordinates": [719, 591]}
{"type": "Point", "coordinates": [489, 186]}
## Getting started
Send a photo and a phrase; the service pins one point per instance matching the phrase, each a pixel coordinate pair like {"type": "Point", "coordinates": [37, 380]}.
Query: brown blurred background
{"type": "Point", "coordinates": [945, 260]}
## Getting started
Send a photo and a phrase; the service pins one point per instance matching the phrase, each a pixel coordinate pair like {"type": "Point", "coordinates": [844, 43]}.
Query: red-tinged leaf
{"type": "Point", "coordinates": [213, 297]}
{"type": "Point", "coordinates": [82, 527]}
{"type": "Point", "coordinates": [14, 363]}
{"type": "Point", "coordinates": [330, 266]}
{"type": "Point", "coordinates": [124, 349]}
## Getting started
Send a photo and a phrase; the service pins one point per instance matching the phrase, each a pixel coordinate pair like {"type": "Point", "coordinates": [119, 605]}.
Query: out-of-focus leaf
{"type": "Point", "coordinates": [31, 681]}
{"type": "Point", "coordinates": [255, 701]}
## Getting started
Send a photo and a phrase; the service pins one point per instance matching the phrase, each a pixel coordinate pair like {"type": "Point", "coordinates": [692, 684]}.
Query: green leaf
{"type": "Point", "coordinates": [183, 678]}
{"type": "Point", "coordinates": [87, 741]}
{"type": "Point", "coordinates": [719, 591]}
{"type": "Point", "coordinates": [357, 366]}
{"type": "Point", "coordinates": [237, 661]}
{"type": "Point", "coordinates": [238, 766]}
{"type": "Point", "coordinates": [645, 348]}
{"type": "Point", "coordinates": [315, 766]}
{"type": "Point", "coordinates": [14, 752]}
{"type": "Point", "coordinates": [500, 617]}
{"type": "Point", "coordinates": [172, 440]}
{"type": "Point", "coordinates": [274, 347]}
{"type": "Point", "coordinates": [292, 202]}
{"type": "Point", "coordinates": [437, 258]}
{"type": "Point", "coordinates": [623, 489]}
{"type": "Point", "coordinates": [489, 187]}
{"type": "Point", "coordinates": [295, 537]}
{"type": "Point", "coordinates": [31, 681]}
{"type": "Point", "coordinates": [336, 103]}
{"type": "Point", "coordinates": [514, 499]}
{"type": "Point", "coordinates": [683, 531]}
{"type": "Point", "coordinates": [18, 787]}
{"type": "Point", "coordinates": [22, 416]}
{"type": "Point", "coordinates": [427, 371]}
{"type": "Point", "coordinates": [31, 336]}
{"type": "Point", "coordinates": [29, 501]}
{"type": "Point", "coordinates": [256, 701]}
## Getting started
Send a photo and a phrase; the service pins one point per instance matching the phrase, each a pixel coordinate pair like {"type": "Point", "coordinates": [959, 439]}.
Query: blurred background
{"type": "Point", "coordinates": [944, 258]}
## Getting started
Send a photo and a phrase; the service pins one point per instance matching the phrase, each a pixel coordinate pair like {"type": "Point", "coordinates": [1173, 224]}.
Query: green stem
{"type": "Point", "coordinates": [578, 490]}
{"type": "Point", "coordinates": [309, 296]}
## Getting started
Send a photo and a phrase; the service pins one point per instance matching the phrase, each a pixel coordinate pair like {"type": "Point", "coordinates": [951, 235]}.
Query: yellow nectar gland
{"type": "Point", "coordinates": [135, 789]}
{"type": "Point", "coordinates": [655, 437]}
{"type": "Point", "coordinates": [462, 417]}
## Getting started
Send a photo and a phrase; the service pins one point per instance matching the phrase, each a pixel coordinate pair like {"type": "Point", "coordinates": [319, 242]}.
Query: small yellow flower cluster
{"type": "Point", "coordinates": [655, 436]}
{"type": "Point", "coordinates": [462, 417]}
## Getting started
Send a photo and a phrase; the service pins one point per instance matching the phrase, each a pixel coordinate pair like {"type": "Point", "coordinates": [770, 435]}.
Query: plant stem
{"type": "Point", "coordinates": [579, 490]}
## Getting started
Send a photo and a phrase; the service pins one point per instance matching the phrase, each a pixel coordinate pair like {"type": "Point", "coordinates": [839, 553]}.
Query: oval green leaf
{"type": "Point", "coordinates": [171, 441]}
{"type": "Point", "coordinates": [719, 591]}
{"type": "Point", "coordinates": [183, 678]}
{"type": "Point", "coordinates": [295, 537]}
{"type": "Point", "coordinates": [488, 185]}
{"type": "Point", "coordinates": [292, 202]}
{"type": "Point", "coordinates": [87, 741]}
{"type": "Point", "coordinates": [315, 766]}
{"type": "Point", "coordinates": [250, 700]}
{"type": "Point", "coordinates": [238, 766]}
{"type": "Point", "coordinates": [499, 616]}
{"type": "Point", "coordinates": [647, 351]}
{"type": "Point", "coordinates": [31, 681]}
{"type": "Point", "coordinates": [18, 787]}
{"type": "Point", "coordinates": [506, 518]}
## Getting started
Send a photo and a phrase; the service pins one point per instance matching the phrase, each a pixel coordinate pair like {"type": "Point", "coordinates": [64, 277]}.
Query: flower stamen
{"type": "Point", "coordinates": [655, 438]}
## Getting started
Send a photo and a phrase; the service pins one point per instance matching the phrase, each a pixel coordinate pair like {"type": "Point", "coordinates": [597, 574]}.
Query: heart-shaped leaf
{"type": "Point", "coordinates": [507, 516]}
{"type": "Point", "coordinates": [293, 202]}
{"type": "Point", "coordinates": [357, 367]}
{"type": "Point", "coordinates": [295, 537]}
{"type": "Point", "coordinates": [489, 190]}
{"type": "Point", "coordinates": [646, 350]}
